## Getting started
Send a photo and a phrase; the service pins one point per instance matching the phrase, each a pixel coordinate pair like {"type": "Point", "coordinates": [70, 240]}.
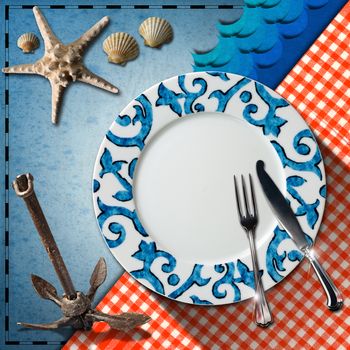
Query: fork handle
{"type": "Point", "coordinates": [262, 313]}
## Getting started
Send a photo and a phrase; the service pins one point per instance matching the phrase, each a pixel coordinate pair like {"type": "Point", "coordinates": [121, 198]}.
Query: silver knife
{"type": "Point", "coordinates": [288, 220]}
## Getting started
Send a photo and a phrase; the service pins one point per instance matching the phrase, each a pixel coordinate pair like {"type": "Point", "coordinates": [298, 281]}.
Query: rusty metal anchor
{"type": "Point", "coordinates": [75, 305]}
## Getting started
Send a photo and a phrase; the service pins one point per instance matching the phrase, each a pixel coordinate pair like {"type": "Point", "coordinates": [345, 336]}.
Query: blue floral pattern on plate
{"type": "Point", "coordinates": [226, 281]}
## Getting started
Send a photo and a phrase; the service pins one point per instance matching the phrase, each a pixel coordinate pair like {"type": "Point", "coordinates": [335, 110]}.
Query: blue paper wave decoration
{"type": "Point", "coordinates": [268, 39]}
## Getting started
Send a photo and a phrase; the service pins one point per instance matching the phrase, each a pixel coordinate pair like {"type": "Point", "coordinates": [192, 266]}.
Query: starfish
{"type": "Point", "coordinates": [62, 64]}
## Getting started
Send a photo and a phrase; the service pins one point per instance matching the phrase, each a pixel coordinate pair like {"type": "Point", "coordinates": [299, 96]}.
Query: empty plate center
{"type": "Point", "coordinates": [183, 186]}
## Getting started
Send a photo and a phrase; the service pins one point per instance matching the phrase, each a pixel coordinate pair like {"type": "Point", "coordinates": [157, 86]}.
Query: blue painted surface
{"type": "Point", "coordinates": [268, 39]}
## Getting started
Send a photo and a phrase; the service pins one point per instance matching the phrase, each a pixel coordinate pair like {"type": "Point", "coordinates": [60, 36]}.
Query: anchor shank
{"type": "Point", "coordinates": [23, 186]}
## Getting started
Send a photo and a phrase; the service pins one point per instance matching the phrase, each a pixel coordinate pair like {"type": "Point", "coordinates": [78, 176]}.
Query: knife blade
{"type": "Point", "coordinates": [281, 208]}
{"type": "Point", "coordinates": [289, 222]}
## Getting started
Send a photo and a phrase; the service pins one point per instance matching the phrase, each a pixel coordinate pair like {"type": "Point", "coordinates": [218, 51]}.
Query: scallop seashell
{"type": "Point", "coordinates": [120, 48]}
{"type": "Point", "coordinates": [156, 31]}
{"type": "Point", "coordinates": [28, 42]}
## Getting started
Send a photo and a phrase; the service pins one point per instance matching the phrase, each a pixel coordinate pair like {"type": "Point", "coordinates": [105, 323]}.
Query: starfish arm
{"type": "Point", "coordinates": [93, 79]}
{"type": "Point", "coordinates": [20, 69]}
{"type": "Point", "coordinates": [49, 37]}
{"type": "Point", "coordinates": [56, 97]}
{"type": "Point", "coordinates": [90, 34]}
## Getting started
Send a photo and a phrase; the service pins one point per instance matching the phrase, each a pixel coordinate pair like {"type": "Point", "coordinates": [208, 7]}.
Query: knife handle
{"type": "Point", "coordinates": [334, 299]}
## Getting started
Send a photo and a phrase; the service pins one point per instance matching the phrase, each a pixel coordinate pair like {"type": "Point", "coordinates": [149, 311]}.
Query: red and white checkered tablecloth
{"type": "Point", "coordinates": [319, 87]}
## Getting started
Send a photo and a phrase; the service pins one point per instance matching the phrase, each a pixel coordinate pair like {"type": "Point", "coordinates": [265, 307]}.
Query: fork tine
{"type": "Point", "coordinates": [247, 208]}
{"type": "Point", "coordinates": [237, 197]}
{"type": "Point", "coordinates": [255, 211]}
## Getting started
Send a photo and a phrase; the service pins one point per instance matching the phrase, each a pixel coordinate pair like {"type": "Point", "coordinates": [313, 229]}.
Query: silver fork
{"type": "Point", "coordinates": [249, 221]}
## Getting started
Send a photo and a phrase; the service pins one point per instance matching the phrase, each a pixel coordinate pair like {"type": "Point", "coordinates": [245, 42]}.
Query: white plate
{"type": "Point", "coordinates": [163, 185]}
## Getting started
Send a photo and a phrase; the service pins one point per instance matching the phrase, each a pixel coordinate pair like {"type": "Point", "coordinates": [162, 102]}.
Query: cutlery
{"type": "Point", "coordinates": [288, 220]}
{"type": "Point", "coordinates": [249, 220]}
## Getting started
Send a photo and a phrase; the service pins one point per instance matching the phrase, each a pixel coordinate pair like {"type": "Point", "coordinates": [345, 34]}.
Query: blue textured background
{"type": "Point", "coordinates": [61, 158]}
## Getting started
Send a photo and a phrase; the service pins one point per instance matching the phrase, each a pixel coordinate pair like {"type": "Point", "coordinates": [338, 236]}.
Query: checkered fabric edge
{"type": "Point", "coordinates": [319, 87]}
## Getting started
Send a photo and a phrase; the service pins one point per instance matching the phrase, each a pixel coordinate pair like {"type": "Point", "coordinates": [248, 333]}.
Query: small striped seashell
{"type": "Point", "coordinates": [120, 48]}
{"type": "Point", "coordinates": [156, 31]}
{"type": "Point", "coordinates": [28, 42]}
